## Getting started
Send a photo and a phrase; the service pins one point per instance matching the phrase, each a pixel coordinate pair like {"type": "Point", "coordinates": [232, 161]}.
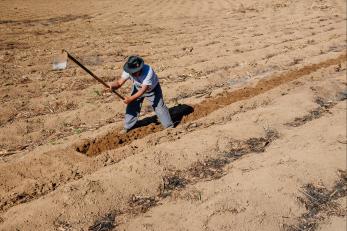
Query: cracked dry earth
{"type": "Point", "coordinates": [257, 89]}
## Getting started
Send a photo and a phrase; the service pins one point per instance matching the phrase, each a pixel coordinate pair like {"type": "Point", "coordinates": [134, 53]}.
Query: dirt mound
{"type": "Point", "coordinates": [143, 128]}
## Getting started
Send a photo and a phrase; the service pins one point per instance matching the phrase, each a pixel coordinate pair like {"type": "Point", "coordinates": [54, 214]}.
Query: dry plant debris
{"type": "Point", "coordinates": [105, 223]}
{"type": "Point", "coordinates": [213, 168]}
{"type": "Point", "coordinates": [320, 204]}
{"type": "Point", "coordinates": [142, 203]}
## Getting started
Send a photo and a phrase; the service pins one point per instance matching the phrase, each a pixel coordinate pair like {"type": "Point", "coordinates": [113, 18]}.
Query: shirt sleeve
{"type": "Point", "coordinates": [125, 75]}
{"type": "Point", "coordinates": [149, 78]}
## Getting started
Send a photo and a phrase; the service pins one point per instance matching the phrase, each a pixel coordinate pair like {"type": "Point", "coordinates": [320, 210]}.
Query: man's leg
{"type": "Point", "coordinates": [132, 111]}
{"type": "Point", "coordinates": [157, 102]}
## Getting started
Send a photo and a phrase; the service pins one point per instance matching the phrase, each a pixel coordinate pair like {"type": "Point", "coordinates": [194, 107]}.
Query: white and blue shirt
{"type": "Point", "coordinates": [147, 77]}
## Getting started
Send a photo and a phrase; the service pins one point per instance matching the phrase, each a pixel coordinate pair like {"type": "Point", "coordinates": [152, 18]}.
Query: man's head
{"type": "Point", "coordinates": [134, 65]}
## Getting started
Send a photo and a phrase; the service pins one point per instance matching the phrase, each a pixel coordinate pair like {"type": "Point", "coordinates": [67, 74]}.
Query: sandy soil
{"type": "Point", "coordinates": [257, 89]}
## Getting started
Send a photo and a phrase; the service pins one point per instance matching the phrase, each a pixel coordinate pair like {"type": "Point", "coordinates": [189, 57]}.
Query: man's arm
{"type": "Point", "coordinates": [140, 92]}
{"type": "Point", "coordinates": [117, 84]}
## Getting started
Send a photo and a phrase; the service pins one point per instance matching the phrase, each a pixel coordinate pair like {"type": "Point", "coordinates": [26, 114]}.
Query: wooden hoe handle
{"type": "Point", "coordinates": [91, 73]}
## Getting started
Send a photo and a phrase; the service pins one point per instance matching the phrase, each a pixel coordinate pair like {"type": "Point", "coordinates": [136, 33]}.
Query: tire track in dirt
{"type": "Point", "coordinates": [113, 139]}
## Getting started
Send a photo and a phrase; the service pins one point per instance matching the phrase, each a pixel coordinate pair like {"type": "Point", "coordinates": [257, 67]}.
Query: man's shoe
{"type": "Point", "coordinates": [171, 127]}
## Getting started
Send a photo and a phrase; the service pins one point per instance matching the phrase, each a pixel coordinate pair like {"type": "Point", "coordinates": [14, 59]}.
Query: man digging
{"type": "Point", "coordinates": [145, 85]}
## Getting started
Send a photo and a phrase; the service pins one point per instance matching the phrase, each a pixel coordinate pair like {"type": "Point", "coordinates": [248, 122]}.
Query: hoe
{"type": "Point", "coordinates": [60, 63]}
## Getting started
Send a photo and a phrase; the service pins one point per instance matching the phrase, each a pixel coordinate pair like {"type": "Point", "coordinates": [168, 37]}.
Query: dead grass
{"type": "Point", "coordinates": [213, 168]}
{"type": "Point", "coordinates": [320, 204]}
{"type": "Point", "coordinates": [172, 182]}
{"type": "Point", "coordinates": [142, 203]}
{"type": "Point", "coordinates": [316, 113]}
{"type": "Point", "coordinates": [105, 223]}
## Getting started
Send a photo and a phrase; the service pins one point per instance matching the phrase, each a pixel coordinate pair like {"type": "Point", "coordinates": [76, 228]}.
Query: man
{"type": "Point", "coordinates": [145, 85]}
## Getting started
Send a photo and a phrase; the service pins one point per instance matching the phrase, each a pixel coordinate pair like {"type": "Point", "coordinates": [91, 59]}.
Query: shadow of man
{"type": "Point", "coordinates": [177, 113]}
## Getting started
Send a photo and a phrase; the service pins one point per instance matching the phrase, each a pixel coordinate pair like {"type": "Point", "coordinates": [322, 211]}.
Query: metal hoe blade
{"type": "Point", "coordinates": [60, 62]}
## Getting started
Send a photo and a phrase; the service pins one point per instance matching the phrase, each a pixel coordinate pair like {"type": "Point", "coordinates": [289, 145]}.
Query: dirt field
{"type": "Point", "coordinates": [257, 90]}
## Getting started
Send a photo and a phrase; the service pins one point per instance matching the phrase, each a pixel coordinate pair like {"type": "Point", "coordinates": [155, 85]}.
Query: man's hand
{"type": "Point", "coordinates": [114, 86]}
{"type": "Point", "coordinates": [127, 100]}
{"type": "Point", "coordinates": [138, 94]}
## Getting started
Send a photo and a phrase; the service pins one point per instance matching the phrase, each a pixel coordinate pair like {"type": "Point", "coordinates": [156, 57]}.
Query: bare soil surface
{"type": "Point", "coordinates": [257, 90]}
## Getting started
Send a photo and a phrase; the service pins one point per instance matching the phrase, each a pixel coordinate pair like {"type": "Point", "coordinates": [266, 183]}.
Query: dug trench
{"type": "Point", "coordinates": [185, 113]}
{"type": "Point", "coordinates": [210, 169]}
